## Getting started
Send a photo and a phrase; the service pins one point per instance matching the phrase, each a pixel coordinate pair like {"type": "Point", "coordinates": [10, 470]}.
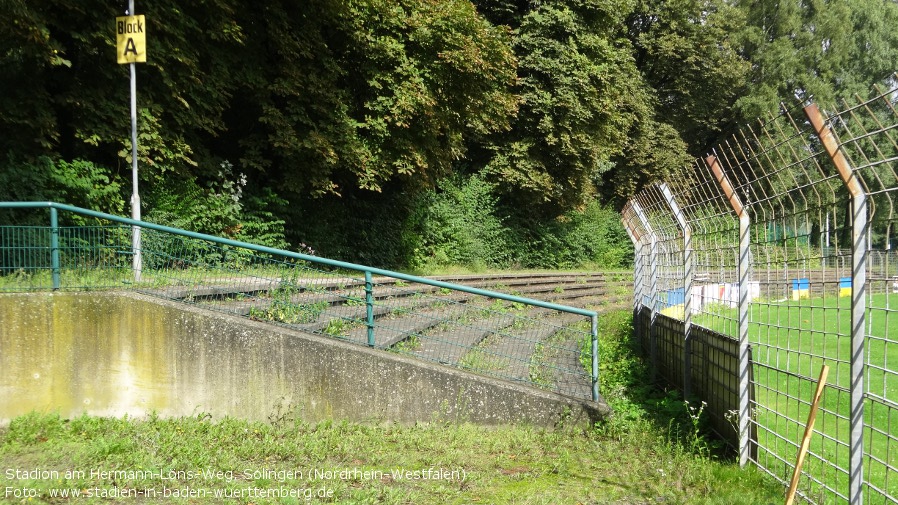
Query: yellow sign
{"type": "Point", "coordinates": [131, 39]}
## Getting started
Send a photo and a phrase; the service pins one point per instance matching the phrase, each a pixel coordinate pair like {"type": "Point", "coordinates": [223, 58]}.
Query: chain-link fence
{"type": "Point", "coordinates": [763, 262]}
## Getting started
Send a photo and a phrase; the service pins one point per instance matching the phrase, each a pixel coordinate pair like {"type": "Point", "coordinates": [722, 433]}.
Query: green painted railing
{"type": "Point", "coordinates": [545, 344]}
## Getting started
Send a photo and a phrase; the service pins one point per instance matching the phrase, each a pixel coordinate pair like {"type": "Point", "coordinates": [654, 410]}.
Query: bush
{"type": "Point", "coordinates": [457, 224]}
{"type": "Point", "coordinates": [593, 236]}
{"type": "Point", "coordinates": [220, 209]}
{"type": "Point", "coordinates": [461, 223]}
{"type": "Point", "coordinates": [80, 183]}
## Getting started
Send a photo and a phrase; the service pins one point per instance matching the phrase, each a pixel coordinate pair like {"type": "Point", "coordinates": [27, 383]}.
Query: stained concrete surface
{"type": "Point", "coordinates": [112, 354]}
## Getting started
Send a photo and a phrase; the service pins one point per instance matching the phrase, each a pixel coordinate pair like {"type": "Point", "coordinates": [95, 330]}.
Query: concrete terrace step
{"type": "Point", "coordinates": [517, 350]}
{"type": "Point", "coordinates": [392, 329]}
{"type": "Point", "coordinates": [242, 296]}
{"type": "Point", "coordinates": [449, 346]}
{"type": "Point", "coordinates": [459, 329]}
{"type": "Point", "coordinates": [531, 285]}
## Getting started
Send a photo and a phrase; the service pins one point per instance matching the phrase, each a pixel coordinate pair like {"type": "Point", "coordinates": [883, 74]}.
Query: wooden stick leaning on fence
{"type": "Point", "coordinates": [806, 440]}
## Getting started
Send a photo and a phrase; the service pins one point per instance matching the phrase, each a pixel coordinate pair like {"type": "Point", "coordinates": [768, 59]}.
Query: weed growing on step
{"type": "Point", "coordinates": [539, 374]}
{"type": "Point", "coordinates": [400, 311]}
{"type": "Point", "coordinates": [351, 301]}
{"type": "Point", "coordinates": [283, 311]}
{"type": "Point", "coordinates": [338, 327]}
{"type": "Point", "coordinates": [410, 344]}
{"type": "Point", "coordinates": [479, 359]}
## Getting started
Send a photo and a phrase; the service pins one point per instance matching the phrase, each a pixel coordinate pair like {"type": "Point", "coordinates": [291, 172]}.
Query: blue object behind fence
{"type": "Point", "coordinates": [845, 286]}
{"type": "Point", "coordinates": [801, 288]}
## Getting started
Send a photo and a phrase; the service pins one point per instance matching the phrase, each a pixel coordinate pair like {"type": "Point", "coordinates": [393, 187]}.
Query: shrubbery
{"type": "Point", "coordinates": [80, 183]}
{"type": "Point", "coordinates": [219, 208]}
{"type": "Point", "coordinates": [462, 222]}
{"type": "Point", "coordinates": [458, 224]}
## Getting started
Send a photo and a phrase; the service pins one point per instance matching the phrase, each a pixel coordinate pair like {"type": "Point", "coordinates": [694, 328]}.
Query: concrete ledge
{"type": "Point", "coordinates": [131, 354]}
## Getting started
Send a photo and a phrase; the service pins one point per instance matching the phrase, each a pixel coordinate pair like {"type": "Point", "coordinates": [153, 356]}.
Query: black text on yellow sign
{"type": "Point", "coordinates": [131, 39]}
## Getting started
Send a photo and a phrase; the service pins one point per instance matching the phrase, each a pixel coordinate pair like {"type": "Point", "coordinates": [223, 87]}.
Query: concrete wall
{"type": "Point", "coordinates": [714, 374]}
{"type": "Point", "coordinates": [116, 354]}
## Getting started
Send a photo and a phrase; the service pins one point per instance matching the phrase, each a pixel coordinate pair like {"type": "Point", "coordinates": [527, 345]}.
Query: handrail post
{"type": "Point", "coordinates": [369, 306]}
{"type": "Point", "coordinates": [54, 247]}
{"type": "Point", "coordinates": [595, 358]}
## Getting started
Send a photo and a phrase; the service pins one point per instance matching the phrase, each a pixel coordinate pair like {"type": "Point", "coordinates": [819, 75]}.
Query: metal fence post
{"type": "Point", "coordinates": [653, 261]}
{"type": "Point", "coordinates": [637, 274]}
{"type": "Point", "coordinates": [687, 286]}
{"type": "Point", "coordinates": [369, 306]}
{"type": "Point", "coordinates": [859, 237]}
{"type": "Point", "coordinates": [54, 246]}
{"type": "Point", "coordinates": [595, 358]}
{"type": "Point", "coordinates": [744, 279]}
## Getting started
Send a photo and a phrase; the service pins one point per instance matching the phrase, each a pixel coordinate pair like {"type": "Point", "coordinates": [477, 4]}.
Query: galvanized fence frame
{"type": "Point", "coordinates": [784, 236]}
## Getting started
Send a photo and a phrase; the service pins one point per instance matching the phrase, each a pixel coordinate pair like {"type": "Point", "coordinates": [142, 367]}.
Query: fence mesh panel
{"type": "Point", "coordinates": [812, 283]}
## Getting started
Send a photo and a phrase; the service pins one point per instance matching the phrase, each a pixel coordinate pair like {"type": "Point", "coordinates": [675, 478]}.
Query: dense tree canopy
{"type": "Point", "coordinates": [824, 50]}
{"type": "Point", "coordinates": [580, 97]}
{"type": "Point", "coordinates": [294, 109]}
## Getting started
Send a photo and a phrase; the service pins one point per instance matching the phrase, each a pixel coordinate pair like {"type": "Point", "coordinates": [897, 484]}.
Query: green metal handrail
{"type": "Point", "coordinates": [368, 272]}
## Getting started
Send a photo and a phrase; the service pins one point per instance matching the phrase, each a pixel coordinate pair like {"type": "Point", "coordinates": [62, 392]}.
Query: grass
{"type": "Point", "coordinates": [649, 451]}
{"type": "Point", "coordinates": [790, 341]}
{"type": "Point", "coordinates": [481, 360]}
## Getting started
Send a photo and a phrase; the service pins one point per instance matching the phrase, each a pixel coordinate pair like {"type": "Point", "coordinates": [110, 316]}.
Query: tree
{"type": "Point", "coordinates": [688, 52]}
{"type": "Point", "coordinates": [66, 96]}
{"type": "Point", "coordinates": [366, 92]}
{"type": "Point", "coordinates": [580, 94]}
{"type": "Point", "coordinates": [813, 48]}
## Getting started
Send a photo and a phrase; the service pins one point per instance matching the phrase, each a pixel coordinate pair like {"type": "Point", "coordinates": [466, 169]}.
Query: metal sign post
{"type": "Point", "coordinates": [131, 49]}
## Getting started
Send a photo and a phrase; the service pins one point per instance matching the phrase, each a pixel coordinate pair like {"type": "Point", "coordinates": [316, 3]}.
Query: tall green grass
{"type": "Point", "coordinates": [650, 450]}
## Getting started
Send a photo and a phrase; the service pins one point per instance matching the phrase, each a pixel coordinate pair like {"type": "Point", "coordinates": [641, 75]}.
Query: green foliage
{"type": "Point", "coordinates": [158, 151]}
{"type": "Point", "coordinates": [463, 223]}
{"type": "Point", "coordinates": [688, 52]}
{"type": "Point", "coordinates": [34, 428]}
{"type": "Point", "coordinates": [360, 94]}
{"type": "Point", "coordinates": [625, 384]}
{"type": "Point", "coordinates": [457, 224]}
{"type": "Point", "coordinates": [364, 228]}
{"type": "Point", "coordinates": [220, 208]}
{"type": "Point", "coordinates": [352, 110]}
{"type": "Point", "coordinates": [79, 182]}
{"type": "Point", "coordinates": [285, 309]}
{"type": "Point", "coordinates": [481, 360]}
{"type": "Point", "coordinates": [85, 184]}
{"type": "Point", "coordinates": [656, 150]}
{"type": "Point", "coordinates": [825, 50]}
{"type": "Point", "coordinates": [67, 96]}
{"type": "Point", "coordinates": [580, 95]}
{"type": "Point", "coordinates": [591, 237]}
{"type": "Point", "coordinates": [337, 327]}
{"type": "Point", "coordinates": [502, 464]}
